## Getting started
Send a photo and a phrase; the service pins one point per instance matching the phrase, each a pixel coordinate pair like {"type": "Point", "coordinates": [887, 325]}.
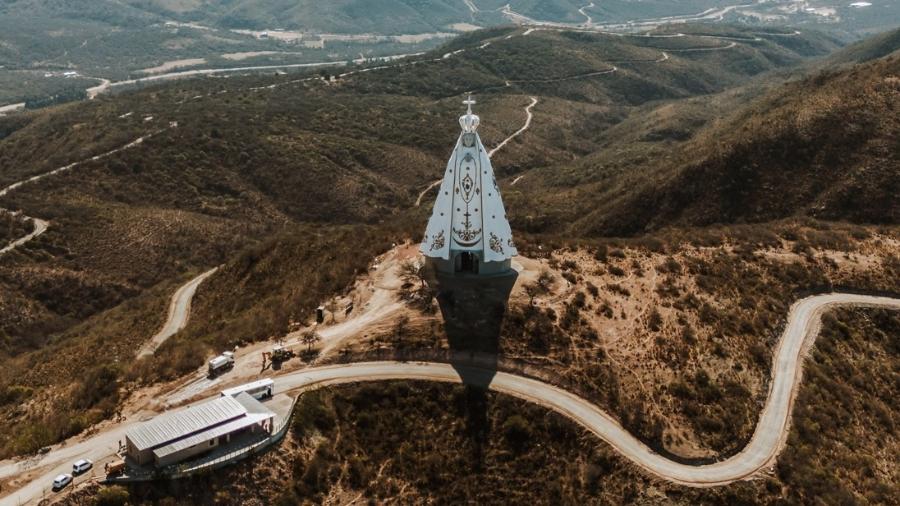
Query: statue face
{"type": "Point", "coordinates": [468, 140]}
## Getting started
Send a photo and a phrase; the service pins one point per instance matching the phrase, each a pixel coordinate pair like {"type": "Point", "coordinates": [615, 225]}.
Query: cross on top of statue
{"type": "Point", "coordinates": [469, 122]}
{"type": "Point", "coordinates": [469, 102]}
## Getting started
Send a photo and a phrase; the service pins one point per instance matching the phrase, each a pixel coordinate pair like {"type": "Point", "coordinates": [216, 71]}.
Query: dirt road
{"type": "Point", "coordinates": [41, 226]}
{"type": "Point", "coordinates": [179, 312]}
{"type": "Point", "coordinates": [528, 117]}
{"type": "Point", "coordinates": [768, 438]}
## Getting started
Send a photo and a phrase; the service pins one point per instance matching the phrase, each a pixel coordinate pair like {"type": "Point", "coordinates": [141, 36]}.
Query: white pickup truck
{"type": "Point", "coordinates": [222, 363]}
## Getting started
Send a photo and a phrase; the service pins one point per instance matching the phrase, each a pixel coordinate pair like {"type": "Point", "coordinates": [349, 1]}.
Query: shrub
{"type": "Point", "coordinates": [517, 431]}
{"type": "Point", "coordinates": [114, 495]}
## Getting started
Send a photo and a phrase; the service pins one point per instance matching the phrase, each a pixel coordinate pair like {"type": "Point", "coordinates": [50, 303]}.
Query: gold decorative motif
{"type": "Point", "coordinates": [496, 244]}
{"type": "Point", "coordinates": [509, 242]}
{"type": "Point", "coordinates": [437, 241]}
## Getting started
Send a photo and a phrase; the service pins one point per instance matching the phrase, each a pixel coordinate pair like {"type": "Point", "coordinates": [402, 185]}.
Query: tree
{"type": "Point", "coordinates": [309, 338]}
{"type": "Point", "coordinates": [400, 329]}
{"type": "Point", "coordinates": [413, 272]}
{"type": "Point", "coordinates": [415, 289]}
{"type": "Point", "coordinates": [541, 286]}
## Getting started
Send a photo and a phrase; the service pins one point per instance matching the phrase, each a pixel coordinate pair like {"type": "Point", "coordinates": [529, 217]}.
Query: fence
{"type": "Point", "coordinates": [251, 446]}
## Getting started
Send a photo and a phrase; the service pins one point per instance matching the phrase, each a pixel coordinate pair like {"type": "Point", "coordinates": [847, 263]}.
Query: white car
{"type": "Point", "coordinates": [81, 466]}
{"type": "Point", "coordinates": [61, 481]}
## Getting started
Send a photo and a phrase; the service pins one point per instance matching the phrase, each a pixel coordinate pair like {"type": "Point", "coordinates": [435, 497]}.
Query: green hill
{"type": "Point", "coordinates": [877, 46]}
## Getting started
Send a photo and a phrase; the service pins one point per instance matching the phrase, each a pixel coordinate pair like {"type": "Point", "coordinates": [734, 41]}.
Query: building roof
{"type": "Point", "coordinates": [468, 214]}
{"type": "Point", "coordinates": [174, 425]}
{"type": "Point", "coordinates": [212, 433]}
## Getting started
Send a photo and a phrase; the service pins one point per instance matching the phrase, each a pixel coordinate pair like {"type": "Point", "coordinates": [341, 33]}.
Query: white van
{"type": "Point", "coordinates": [81, 466]}
{"type": "Point", "coordinates": [61, 481]}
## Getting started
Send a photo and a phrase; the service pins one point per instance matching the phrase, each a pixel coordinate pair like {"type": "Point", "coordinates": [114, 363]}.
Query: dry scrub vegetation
{"type": "Point", "coordinates": [401, 442]}
{"type": "Point", "coordinates": [675, 334]}
{"type": "Point", "coordinates": [672, 333]}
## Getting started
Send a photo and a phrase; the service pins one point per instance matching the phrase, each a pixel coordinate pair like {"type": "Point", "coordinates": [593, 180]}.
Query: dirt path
{"type": "Point", "coordinates": [374, 297]}
{"type": "Point", "coordinates": [179, 313]}
{"type": "Point", "coordinates": [41, 226]}
{"type": "Point", "coordinates": [804, 321]}
{"type": "Point", "coordinates": [590, 21]}
{"type": "Point", "coordinates": [528, 117]}
{"type": "Point", "coordinates": [426, 190]}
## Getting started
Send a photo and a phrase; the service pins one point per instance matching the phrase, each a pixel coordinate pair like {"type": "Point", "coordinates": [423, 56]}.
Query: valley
{"type": "Point", "coordinates": [50, 53]}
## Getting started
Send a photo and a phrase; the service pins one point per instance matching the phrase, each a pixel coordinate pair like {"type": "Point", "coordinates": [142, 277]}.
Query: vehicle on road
{"type": "Point", "coordinates": [259, 390]}
{"type": "Point", "coordinates": [220, 364]}
{"type": "Point", "coordinates": [114, 468]}
{"type": "Point", "coordinates": [61, 481]}
{"type": "Point", "coordinates": [81, 466]}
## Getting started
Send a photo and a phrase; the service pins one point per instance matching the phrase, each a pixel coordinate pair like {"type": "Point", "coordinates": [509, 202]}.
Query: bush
{"type": "Point", "coordinates": [517, 431]}
{"type": "Point", "coordinates": [114, 495]}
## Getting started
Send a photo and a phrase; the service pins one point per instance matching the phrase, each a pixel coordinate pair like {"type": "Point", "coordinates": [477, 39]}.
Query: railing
{"type": "Point", "coordinates": [251, 446]}
{"type": "Point", "coordinates": [217, 461]}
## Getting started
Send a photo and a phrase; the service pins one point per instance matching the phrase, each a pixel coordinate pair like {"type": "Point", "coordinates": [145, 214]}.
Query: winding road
{"type": "Point", "coordinates": [804, 321]}
{"type": "Point", "coordinates": [179, 313]}
{"type": "Point", "coordinates": [41, 226]}
{"type": "Point", "coordinates": [528, 117]}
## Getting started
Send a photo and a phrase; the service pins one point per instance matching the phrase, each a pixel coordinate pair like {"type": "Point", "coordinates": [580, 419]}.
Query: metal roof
{"type": "Point", "coordinates": [208, 435]}
{"type": "Point", "coordinates": [179, 424]}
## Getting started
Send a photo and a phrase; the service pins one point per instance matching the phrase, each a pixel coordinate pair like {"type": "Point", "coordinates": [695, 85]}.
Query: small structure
{"type": "Point", "coordinates": [175, 437]}
{"type": "Point", "coordinates": [468, 232]}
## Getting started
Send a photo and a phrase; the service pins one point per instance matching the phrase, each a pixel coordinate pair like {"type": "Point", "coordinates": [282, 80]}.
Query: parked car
{"type": "Point", "coordinates": [61, 481]}
{"type": "Point", "coordinates": [81, 466]}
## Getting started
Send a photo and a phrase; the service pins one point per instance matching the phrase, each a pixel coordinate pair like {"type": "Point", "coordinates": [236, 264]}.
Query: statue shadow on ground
{"type": "Point", "coordinates": [473, 308]}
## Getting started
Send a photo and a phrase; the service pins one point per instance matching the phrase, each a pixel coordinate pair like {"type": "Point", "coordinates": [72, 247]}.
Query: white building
{"type": "Point", "coordinates": [468, 232]}
{"type": "Point", "coordinates": [177, 436]}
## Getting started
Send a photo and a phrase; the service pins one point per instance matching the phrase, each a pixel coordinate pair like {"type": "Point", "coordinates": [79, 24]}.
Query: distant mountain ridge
{"type": "Point", "coordinates": [824, 147]}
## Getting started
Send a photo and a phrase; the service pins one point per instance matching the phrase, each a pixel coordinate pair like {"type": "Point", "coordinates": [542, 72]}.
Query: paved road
{"type": "Point", "coordinates": [169, 76]}
{"type": "Point", "coordinates": [768, 439]}
{"type": "Point", "coordinates": [179, 313]}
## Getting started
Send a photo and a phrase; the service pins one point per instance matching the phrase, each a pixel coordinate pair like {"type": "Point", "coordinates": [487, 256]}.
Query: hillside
{"type": "Point", "coordinates": [830, 138]}
{"type": "Point", "coordinates": [415, 442]}
{"type": "Point", "coordinates": [232, 161]}
{"type": "Point", "coordinates": [877, 46]}
{"type": "Point", "coordinates": [273, 176]}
